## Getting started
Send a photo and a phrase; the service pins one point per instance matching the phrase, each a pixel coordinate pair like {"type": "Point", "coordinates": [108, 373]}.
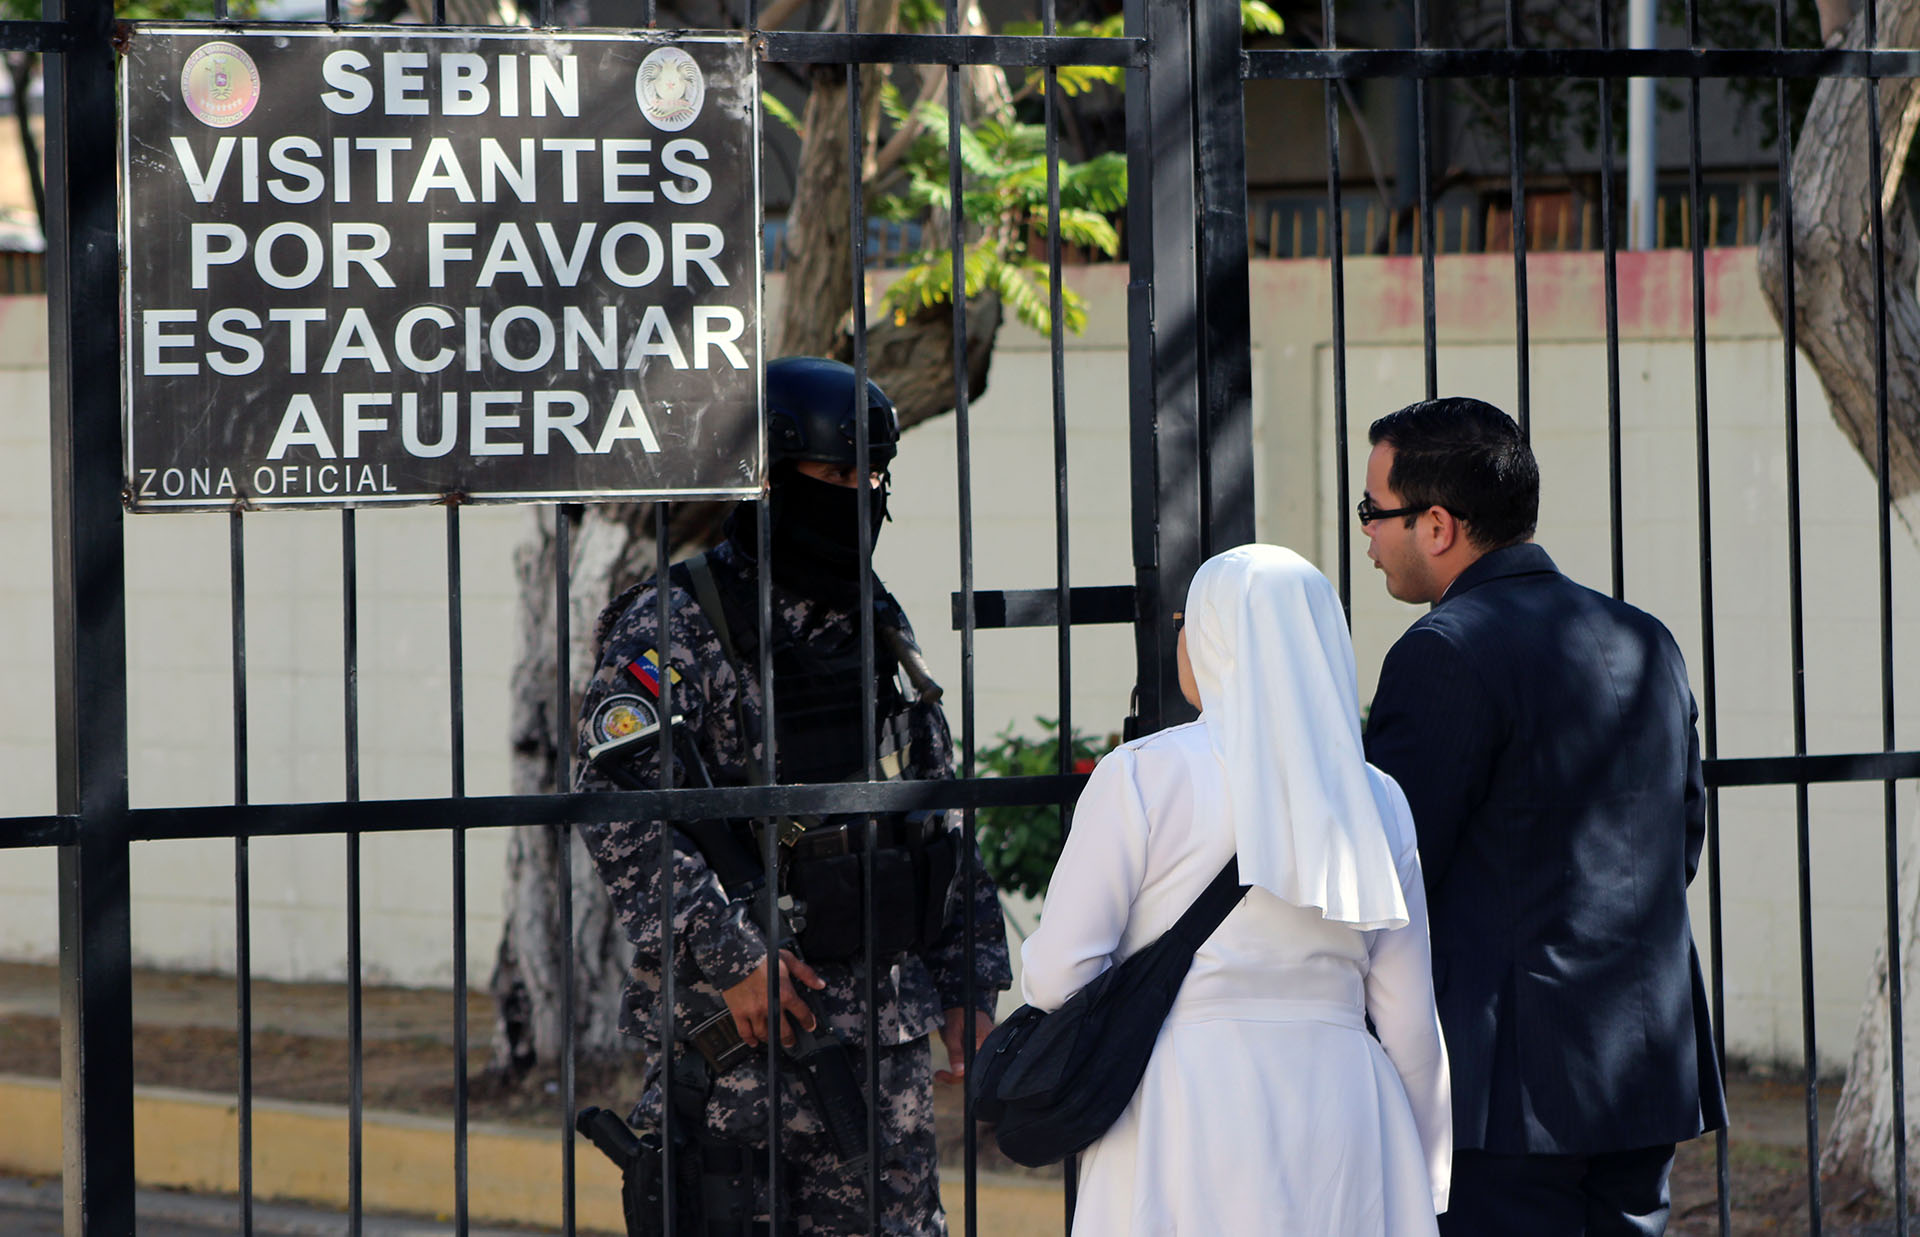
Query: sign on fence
{"type": "Point", "coordinates": [397, 266]}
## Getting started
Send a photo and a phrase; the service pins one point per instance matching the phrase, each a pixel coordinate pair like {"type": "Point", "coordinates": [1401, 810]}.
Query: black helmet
{"type": "Point", "coordinates": [810, 414]}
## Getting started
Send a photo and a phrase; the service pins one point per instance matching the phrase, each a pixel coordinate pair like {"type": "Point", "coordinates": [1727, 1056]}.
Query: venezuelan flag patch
{"type": "Point", "coordinates": [646, 670]}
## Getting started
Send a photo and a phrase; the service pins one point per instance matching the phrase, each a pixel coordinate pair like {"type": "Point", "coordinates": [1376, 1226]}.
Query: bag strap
{"type": "Point", "coordinates": [1210, 908]}
{"type": "Point", "coordinates": [706, 592]}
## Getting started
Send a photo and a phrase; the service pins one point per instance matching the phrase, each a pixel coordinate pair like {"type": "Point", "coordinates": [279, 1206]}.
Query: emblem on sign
{"type": "Point", "coordinates": [670, 88]}
{"type": "Point", "coordinates": [619, 716]}
{"type": "Point", "coordinates": [220, 84]}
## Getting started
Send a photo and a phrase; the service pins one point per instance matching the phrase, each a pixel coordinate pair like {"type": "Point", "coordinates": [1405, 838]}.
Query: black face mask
{"type": "Point", "coordinates": [816, 533]}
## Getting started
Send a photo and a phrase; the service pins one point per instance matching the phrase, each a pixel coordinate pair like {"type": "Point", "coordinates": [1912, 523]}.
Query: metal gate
{"type": "Point", "coordinates": [1192, 487]}
{"type": "Point", "coordinates": [1192, 454]}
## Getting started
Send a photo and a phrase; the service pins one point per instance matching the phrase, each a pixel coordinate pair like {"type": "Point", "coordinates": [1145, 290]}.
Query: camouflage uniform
{"type": "Point", "coordinates": [718, 943]}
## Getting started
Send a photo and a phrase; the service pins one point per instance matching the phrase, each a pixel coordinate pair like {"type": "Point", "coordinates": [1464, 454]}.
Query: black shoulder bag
{"type": "Point", "coordinates": [1051, 1083]}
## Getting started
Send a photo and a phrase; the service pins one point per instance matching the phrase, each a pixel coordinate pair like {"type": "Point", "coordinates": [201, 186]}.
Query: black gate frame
{"type": "Point", "coordinates": [1192, 481]}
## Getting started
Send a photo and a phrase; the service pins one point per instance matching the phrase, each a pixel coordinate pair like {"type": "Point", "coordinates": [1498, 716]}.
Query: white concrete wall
{"type": "Point", "coordinates": [179, 606]}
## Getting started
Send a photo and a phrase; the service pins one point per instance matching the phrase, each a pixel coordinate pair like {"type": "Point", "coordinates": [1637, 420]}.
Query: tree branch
{"type": "Point", "coordinates": [775, 15]}
{"type": "Point", "coordinates": [1833, 254]}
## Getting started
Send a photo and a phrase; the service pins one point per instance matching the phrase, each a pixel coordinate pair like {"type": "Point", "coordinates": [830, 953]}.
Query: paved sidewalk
{"type": "Point", "coordinates": [33, 1209]}
{"type": "Point", "coordinates": [170, 999]}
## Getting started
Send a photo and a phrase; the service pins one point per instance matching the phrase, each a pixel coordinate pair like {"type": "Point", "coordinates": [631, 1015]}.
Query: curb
{"type": "Point", "coordinates": [189, 1141]}
{"type": "Point", "coordinates": [185, 1140]}
{"type": "Point", "coordinates": [223, 1214]}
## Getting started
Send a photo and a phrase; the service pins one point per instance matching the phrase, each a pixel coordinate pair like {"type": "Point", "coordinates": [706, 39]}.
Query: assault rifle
{"type": "Point", "coordinates": [820, 1059]}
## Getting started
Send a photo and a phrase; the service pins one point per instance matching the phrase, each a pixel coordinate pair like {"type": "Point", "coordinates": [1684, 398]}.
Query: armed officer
{"type": "Point", "coordinates": [720, 954]}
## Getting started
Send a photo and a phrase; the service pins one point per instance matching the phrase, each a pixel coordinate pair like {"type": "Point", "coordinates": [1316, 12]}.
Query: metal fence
{"type": "Point", "coordinates": [1604, 66]}
{"type": "Point", "coordinates": [1191, 479]}
{"type": "Point", "coordinates": [1192, 491]}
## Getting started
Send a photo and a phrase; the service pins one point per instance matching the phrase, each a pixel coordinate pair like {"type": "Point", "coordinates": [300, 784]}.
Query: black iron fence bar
{"type": "Point", "coordinates": [1337, 274]}
{"type": "Point", "coordinates": [663, 617]}
{"type": "Point", "coordinates": [1222, 297]}
{"type": "Point", "coordinates": [863, 506]}
{"type": "Point", "coordinates": [1709, 673]}
{"type": "Point", "coordinates": [694, 803]}
{"type": "Point", "coordinates": [1169, 403]}
{"type": "Point", "coordinates": [1616, 511]}
{"type": "Point", "coordinates": [1796, 628]}
{"type": "Point", "coordinates": [1517, 173]}
{"type": "Point", "coordinates": [1883, 475]}
{"type": "Point", "coordinates": [1143, 375]}
{"type": "Point", "coordinates": [46, 37]}
{"type": "Point", "coordinates": [563, 833]}
{"type": "Point", "coordinates": [1429, 331]}
{"type": "Point", "coordinates": [1555, 62]}
{"type": "Point", "coordinates": [769, 838]}
{"type": "Point", "coordinates": [966, 603]}
{"type": "Point", "coordinates": [1041, 607]}
{"type": "Point", "coordinates": [1793, 770]}
{"type": "Point", "coordinates": [242, 877]}
{"type": "Point", "coordinates": [681, 803]}
{"type": "Point", "coordinates": [1008, 50]}
{"type": "Point", "coordinates": [356, 1012]}
{"type": "Point", "coordinates": [24, 832]}
{"type": "Point", "coordinates": [1063, 596]}
{"type": "Point", "coordinates": [89, 626]}
{"type": "Point", "coordinates": [457, 788]}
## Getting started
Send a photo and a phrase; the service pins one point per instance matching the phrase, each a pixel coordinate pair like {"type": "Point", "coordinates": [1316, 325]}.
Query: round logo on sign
{"type": "Point", "coordinates": [220, 84]}
{"type": "Point", "coordinates": [619, 716]}
{"type": "Point", "coordinates": [670, 88]}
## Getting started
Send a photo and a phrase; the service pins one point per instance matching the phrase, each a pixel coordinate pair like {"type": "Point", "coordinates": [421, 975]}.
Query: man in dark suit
{"type": "Point", "coordinates": [1544, 735]}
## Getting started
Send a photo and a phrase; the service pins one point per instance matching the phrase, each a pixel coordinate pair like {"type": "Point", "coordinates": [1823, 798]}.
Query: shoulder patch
{"type": "Point", "coordinates": [619, 716]}
{"type": "Point", "coordinates": [646, 671]}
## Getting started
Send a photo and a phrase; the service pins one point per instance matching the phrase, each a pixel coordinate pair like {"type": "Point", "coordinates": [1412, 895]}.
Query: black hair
{"type": "Point", "coordinates": [1469, 457]}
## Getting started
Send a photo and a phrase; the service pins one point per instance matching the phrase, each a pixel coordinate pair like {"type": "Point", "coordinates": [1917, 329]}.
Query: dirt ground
{"type": "Point", "coordinates": [415, 1073]}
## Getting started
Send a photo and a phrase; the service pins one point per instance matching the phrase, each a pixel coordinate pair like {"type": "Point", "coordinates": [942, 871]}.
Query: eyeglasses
{"type": "Point", "coordinates": [1368, 512]}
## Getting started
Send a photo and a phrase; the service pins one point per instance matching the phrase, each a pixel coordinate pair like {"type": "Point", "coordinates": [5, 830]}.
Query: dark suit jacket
{"type": "Point", "coordinates": [1544, 735]}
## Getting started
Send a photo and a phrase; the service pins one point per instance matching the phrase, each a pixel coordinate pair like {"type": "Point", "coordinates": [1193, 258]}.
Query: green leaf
{"type": "Point", "coordinates": [921, 14]}
{"type": "Point", "coordinates": [782, 113]}
{"type": "Point", "coordinates": [1256, 17]}
{"type": "Point", "coordinates": [1086, 228]}
{"type": "Point", "coordinates": [1079, 78]}
{"type": "Point", "coordinates": [1098, 184]}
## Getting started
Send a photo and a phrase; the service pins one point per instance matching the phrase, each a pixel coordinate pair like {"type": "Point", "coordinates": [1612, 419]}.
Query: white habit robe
{"type": "Point", "coordinates": [1267, 1108]}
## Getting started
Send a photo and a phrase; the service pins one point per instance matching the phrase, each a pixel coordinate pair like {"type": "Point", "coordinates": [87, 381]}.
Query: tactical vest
{"type": "Point", "coordinates": [818, 707]}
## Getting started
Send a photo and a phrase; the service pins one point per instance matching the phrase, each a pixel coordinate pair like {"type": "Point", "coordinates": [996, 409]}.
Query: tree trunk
{"type": "Point", "coordinates": [1861, 1140]}
{"type": "Point", "coordinates": [819, 238]}
{"type": "Point", "coordinates": [1834, 321]}
{"type": "Point", "coordinates": [1834, 16]}
{"type": "Point", "coordinates": [20, 66]}
{"type": "Point", "coordinates": [914, 351]}
{"type": "Point", "coordinates": [1833, 253]}
{"type": "Point", "coordinates": [612, 546]}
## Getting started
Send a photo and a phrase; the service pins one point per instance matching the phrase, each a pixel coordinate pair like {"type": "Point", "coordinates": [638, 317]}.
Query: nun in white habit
{"type": "Point", "coordinates": [1267, 1108]}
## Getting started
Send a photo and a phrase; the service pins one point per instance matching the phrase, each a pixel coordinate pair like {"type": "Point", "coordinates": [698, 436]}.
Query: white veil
{"type": "Point", "coordinates": [1274, 664]}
